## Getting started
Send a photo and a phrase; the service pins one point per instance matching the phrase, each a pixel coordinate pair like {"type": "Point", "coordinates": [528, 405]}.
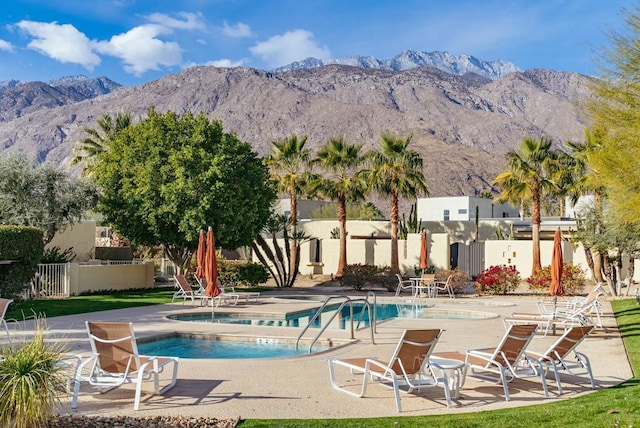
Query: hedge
{"type": "Point", "coordinates": [21, 249]}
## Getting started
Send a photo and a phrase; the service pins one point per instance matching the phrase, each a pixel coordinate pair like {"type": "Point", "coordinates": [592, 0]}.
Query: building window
{"type": "Point", "coordinates": [462, 211]}
{"type": "Point", "coordinates": [446, 215]}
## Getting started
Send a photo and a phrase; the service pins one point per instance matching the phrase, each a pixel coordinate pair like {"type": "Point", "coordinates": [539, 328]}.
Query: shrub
{"type": "Point", "coordinates": [233, 273]}
{"type": "Point", "coordinates": [459, 279]}
{"type": "Point", "coordinates": [357, 276]}
{"type": "Point", "coordinates": [56, 255]}
{"type": "Point", "coordinates": [253, 273]}
{"type": "Point", "coordinates": [31, 381]}
{"type": "Point", "coordinates": [573, 279]}
{"type": "Point", "coordinates": [24, 245]}
{"type": "Point", "coordinates": [497, 280]}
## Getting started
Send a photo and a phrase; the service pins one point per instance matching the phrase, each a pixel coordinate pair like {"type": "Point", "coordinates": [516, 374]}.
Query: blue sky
{"type": "Point", "coordinates": [132, 41]}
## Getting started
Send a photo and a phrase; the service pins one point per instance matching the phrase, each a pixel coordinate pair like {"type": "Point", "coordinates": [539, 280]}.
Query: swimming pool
{"type": "Point", "coordinates": [186, 346]}
{"type": "Point", "coordinates": [384, 311]}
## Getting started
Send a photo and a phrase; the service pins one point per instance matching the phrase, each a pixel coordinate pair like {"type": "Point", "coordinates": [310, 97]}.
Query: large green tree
{"type": "Point", "coordinates": [341, 181]}
{"type": "Point", "coordinates": [40, 195]}
{"type": "Point", "coordinates": [87, 150]}
{"type": "Point", "coordinates": [396, 172]}
{"type": "Point", "coordinates": [615, 108]}
{"type": "Point", "coordinates": [532, 174]}
{"type": "Point", "coordinates": [168, 176]}
{"type": "Point", "coordinates": [289, 165]}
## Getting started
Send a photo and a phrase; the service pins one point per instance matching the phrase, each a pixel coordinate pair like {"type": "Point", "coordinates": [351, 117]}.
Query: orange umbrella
{"type": "Point", "coordinates": [423, 250]}
{"type": "Point", "coordinates": [556, 288]}
{"type": "Point", "coordinates": [210, 266]}
{"type": "Point", "coordinates": [200, 254]}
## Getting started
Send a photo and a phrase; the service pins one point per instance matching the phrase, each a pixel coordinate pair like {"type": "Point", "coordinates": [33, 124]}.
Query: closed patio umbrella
{"type": "Point", "coordinates": [556, 288]}
{"type": "Point", "coordinates": [423, 251]}
{"type": "Point", "coordinates": [200, 255]}
{"type": "Point", "coordinates": [210, 266]}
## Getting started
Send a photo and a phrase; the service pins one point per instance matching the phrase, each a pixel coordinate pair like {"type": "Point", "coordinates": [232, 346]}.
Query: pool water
{"type": "Point", "coordinates": [190, 347]}
{"type": "Point", "coordinates": [384, 311]}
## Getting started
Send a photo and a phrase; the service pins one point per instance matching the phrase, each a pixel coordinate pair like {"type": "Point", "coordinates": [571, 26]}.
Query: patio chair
{"type": "Point", "coordinates": [503, 363]}
{"type": "Point", "coordinates": [185, 291]}
{"type": "Point", "coordinates": [248, 296]}
{"type": "Point", "coordinates": [4, 305]}
{"type": "Point", "coordinates": [223, 298]}
{"type": "Point", "coordinates": [403, 285]}
{"type": "Point", "coordinates": [556, 357]}
{"type": "Point", "coordinates": [552, 320]}
{"type": "Point", "coordinates": [115, 362]}
{"type": "Point", "coordinates": [588, 305]}
{"type": "Point", "coordinates": [443, 286]}
{"type": "Point", "coordinates": [408, 369]}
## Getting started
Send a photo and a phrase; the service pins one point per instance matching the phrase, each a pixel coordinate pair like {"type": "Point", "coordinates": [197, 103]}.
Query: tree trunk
{"type": "Point", "coordinates": [342, 220]}
{"type": "Point", "coordinates": [294, 228]}
{"type": "Point", "coordinates": [589, 257]}
{"type": "Point", "coordinates": [610, 276]}
{"type": "Point", "coordinates": [395, 266]}
{"type": "Point", "coordinates": [180, 256]}
{"type": "Point", "coordinates": [535, 227]}
{"type": "Point", "coordinates": [597, 266]}
{"type": "Point", "coordinates": [630, 272]}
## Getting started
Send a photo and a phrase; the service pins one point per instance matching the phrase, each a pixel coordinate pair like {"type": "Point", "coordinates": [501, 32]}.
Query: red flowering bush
{"type": "Point", "coordinates": [573, 279]}
{"type": "Point", "coordinates": [497, 280]}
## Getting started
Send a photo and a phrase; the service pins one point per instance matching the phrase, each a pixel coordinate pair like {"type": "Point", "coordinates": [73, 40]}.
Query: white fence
{"type": "Point", "coordinates": [51, 281]}
{"type": "Point", "coordinates": [54, 280]}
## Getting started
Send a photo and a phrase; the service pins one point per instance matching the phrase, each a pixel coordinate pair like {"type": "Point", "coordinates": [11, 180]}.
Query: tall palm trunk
{"type": "Point", "coordinates": [294, 228]}
{"type": "Point", "coordinates": [535, 227]}
{"type": "Point", "coordinates": [395, 265]}
{"type": "Point", "coordinates": [342, 220]}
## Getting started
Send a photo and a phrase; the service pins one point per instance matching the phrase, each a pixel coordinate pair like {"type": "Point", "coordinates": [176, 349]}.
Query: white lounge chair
{"type": "Point", "coordinates": [503, 363]}
{"type": "Point", "coordinates": [557, 356]}
{"type": "Point", "coordinates": [408, 367]}
{"type": "Point", "coordinates": [185, 291]}
{"type": "Point", "coordinates": [115, 362]}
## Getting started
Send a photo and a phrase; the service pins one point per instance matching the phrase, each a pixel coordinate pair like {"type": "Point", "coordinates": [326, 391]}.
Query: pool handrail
{"type": "Point", "coordinates": [346, 299]}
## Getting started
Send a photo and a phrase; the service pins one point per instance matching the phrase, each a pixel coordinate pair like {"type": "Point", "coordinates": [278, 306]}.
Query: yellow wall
{"type": "Point", "coordinates": [91, 278]}
{"type": "Point", "coordinates": [81, 236]}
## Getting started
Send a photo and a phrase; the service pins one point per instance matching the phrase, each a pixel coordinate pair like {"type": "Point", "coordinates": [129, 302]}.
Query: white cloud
{"type": "Point", "coordinates": [190, 21]}
{"type": "Point", "coordinates": [141, 50]}
{"type": "Point", "coordinates": [218, 63]}
{"type": "Point", "coordinates": [202, 42]}
{"type": "Point", "coordinates": [63, 43]}
{"type": "Point", "coordinates": [6, 46]}
{"type": "Point", "coordinates": [239, 30]}
{"type": "Point", "coordinates": [289, 47]}
{"type": "Point", "coordinates": [225, 63]}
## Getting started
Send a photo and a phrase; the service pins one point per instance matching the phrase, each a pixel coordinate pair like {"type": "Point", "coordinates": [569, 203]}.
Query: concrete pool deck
{"type": "Point", "coordinates": [299, 387]}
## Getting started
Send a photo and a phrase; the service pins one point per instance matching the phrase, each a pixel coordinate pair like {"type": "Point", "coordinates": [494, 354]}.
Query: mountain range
{"type": "Point", "coordinates": [462, 124]}
{"type": "Point", "coordinates": [408, 59]}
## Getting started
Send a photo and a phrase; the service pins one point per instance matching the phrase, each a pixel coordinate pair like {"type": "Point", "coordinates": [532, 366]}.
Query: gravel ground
{"type": "Point", "coordinates": [129, 422]}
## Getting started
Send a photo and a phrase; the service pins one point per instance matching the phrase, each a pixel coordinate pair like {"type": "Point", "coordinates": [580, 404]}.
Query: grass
{"type": "Point", "coordinates": [89, 303]}
{"type": "Point", "coordinates": [618, 406]}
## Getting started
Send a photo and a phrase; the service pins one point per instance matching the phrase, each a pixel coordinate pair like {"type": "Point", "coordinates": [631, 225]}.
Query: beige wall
{"type": "Point", "coordinates": [81, 236]}
{"type": "Point", "coordinates": [91, 278]}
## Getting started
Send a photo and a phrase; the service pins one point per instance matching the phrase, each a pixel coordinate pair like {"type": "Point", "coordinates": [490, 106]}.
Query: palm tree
{"type": "Point", "coordinates": [533, 171]}
{"type": "Point", "coordinates": [396, 172]}
{"type": "Point", "coordinates": [342, 182]}
{"type": "Point", "coordinates": [88, 150]}
{"type": "Point", "coordinates": [289, 163]}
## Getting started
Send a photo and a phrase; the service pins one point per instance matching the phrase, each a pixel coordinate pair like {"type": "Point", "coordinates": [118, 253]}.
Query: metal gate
{"type": "Point", "coordinates": [468, 257]}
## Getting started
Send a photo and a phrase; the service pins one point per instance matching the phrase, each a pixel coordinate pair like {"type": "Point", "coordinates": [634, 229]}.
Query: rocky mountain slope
{"type": "Point", "coordinates": [461, 125]}
{"type": "Point", "coordinates": [21, 98]}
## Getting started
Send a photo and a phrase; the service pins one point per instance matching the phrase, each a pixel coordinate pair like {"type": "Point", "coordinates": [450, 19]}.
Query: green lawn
{"type": "Point", "coordinates": [613, 407]}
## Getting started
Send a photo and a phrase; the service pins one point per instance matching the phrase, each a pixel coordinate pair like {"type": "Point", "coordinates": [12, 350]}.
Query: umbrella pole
{"type": "Point", "coordinates": [555, 308]}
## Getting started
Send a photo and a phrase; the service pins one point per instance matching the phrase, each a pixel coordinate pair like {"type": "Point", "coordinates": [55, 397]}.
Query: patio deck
{"type": "Point", "coordinates": [299, 387]}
